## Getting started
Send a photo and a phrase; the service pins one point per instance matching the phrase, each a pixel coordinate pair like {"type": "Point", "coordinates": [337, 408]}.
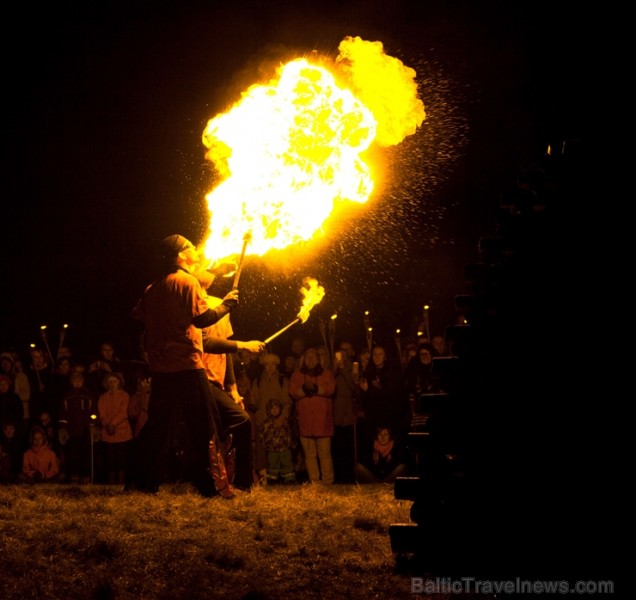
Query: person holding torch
{"type": "Point", "coordinates": [173, 310]}
{"type": "Point", "coordinates": [234, 423]}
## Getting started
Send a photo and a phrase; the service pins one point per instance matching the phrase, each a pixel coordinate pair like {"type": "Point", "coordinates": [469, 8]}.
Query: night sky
{"type": "Point", "coordinates": [104, 110]}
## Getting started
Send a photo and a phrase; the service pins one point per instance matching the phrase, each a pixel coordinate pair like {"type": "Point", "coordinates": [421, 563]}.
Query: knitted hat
{"type": "Point", "coordinates": [113, 375]}
{"type": "Point", "coordinates": [270, 358]}
{"type": "Point", "coordinates": [173, 244]}
{"type": "Point", "coordinates": [7, 356]}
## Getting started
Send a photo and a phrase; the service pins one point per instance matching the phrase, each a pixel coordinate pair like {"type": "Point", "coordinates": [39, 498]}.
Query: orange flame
{"type": "Point", "coordinates": [312, 295]}
{"type": "Point", "coordinates": [293, 149]}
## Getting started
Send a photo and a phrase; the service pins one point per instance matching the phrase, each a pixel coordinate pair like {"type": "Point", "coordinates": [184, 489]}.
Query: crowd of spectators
{"type": "Point", "coordinates": [318, 415]}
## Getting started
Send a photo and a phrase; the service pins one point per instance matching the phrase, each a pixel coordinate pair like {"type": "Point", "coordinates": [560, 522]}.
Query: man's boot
{"type": "Point", "coordinates": [229, 456]}
{"type": "Point", "coordinates": [218, 471]}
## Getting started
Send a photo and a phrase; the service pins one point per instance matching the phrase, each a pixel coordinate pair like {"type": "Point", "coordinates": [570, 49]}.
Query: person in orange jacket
{"type": "Point", "coordinates": [40, 463]}
{"type": "Point", "coordinates": [116, 432]}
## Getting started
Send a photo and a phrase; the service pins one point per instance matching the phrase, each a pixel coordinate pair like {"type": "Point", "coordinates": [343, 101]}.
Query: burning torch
{"type": "Point", "coordinates": [426, 322]}
{"type": "Point", "coordinates": [37, 371]}
{"type": "Point", "coordinates": [246, 239]}
{"type": "Point", "coordinates": [62, 335]}
{"type": "Point", "coordinates": [332, 333]}
{"type": "Point", "coordinates": [368, 329]}
{"type": "Point", "coordinates": [45, 339]}
{"type": "Point", "coordinates": [322, 325]}
{"type": "Point", "coordinates": [93, 435]}
{"type": "Point", "coordinates": [313, 294]}
{"type": "Point", "coordinates": [398, 343]}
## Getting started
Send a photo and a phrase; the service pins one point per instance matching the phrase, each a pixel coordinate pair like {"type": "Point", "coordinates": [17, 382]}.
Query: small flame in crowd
{"type": "Point", "coordinates": [312, 295]}
{"type": "Point", "coordinates": [292, 150]}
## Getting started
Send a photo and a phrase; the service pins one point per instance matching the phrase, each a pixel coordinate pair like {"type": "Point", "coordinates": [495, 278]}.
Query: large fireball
{"type": "Point", "coordinates": [291, 150]}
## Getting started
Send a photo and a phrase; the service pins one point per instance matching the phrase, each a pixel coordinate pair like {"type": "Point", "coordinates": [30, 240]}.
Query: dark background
{"type": "Point", "coordinates": [104, 110]}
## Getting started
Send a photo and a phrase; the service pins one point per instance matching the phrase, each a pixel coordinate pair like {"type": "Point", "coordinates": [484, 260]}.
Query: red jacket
{"type": "Point", "coordinates": [315, 413]}
{"type": "Point", "coordinates": [40, 460]}
{"type": "Point", "coordinates": [113, 410]}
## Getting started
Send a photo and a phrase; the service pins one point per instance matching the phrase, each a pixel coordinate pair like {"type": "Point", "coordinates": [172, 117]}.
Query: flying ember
{"type": "Point", "coordinates": [291, 150]}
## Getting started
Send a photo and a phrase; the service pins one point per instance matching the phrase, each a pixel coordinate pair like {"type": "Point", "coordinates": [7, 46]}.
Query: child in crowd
{"type": "Point", "coordinates": [51, 430]}
{"type": "Point", "coordinates": [13, 447]}
{"type": "Point", "coordinates": [40, 463]}
{"type": "Point", "coordinates": [76, 410]}
{"type": "Point", "coordinates": [10, 402]}
{"type": "Point", "coordinates": [277, 441]}
{"type": "Point", "coordinates": [22, 388]}
{"type": "Point", "coordinates": [5, 467]}
{"type": "Point", "coordinates": [116, 431]}
{"type": "Point", "coordinates": [383, 462]}
{"type": "Point", "coordinates": [138, 405]}
{"type": "Point", "coordinates": [271, 383]}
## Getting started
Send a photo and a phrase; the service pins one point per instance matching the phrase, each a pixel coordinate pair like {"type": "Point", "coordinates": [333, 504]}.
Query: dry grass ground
{"type": "Point", "coordinates": [90, 542]}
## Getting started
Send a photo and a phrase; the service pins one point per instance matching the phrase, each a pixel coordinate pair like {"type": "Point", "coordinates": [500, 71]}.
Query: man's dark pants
{"type": "Point", "coordinates": [180, 398]}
